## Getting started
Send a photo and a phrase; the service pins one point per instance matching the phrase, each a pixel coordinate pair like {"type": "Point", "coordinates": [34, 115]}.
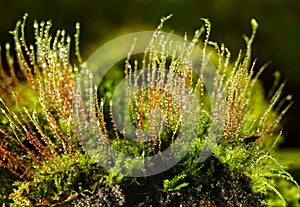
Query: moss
{"type": "Point", "coordinates": [43, 143]}
{"type": "Point", "coordinates": [60, 186]}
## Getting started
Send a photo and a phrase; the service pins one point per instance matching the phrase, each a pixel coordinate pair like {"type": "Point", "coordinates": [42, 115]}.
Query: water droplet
{"type": "Point", "coordinates": [25, 16]}
{"type": "Point", "coordinates": [77, 26]}
{"type": "Point", "coordinates": [7, 46]}
{"type": "Point", "coordinates": [18, 46]}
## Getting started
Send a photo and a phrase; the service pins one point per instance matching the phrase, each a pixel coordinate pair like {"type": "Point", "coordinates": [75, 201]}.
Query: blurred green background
{"type": "Point", "coordinates": [278, 37]}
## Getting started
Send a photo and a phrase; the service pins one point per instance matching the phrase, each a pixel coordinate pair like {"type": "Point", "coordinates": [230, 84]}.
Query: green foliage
{"type": "Point", "coordinates": [263, 170]}
{"type": "Point", "coordinates": [42, 149]}
{"type": "Point", "coordinates": [288, 190]}
{"type": "Point", "coordinates": [174, 184]}
{"type": "Point", "coordinates": [60, 186]}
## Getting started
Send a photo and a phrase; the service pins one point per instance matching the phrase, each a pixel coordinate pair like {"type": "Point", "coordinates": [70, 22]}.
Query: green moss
{"type": "Point", "coordinates": [61, 185]}
{"type": "Point", "coordinates": [43, 149]}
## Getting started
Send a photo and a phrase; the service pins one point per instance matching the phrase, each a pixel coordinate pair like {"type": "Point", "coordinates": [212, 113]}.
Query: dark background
{"type": "Point", "coordinates": [278, 37]}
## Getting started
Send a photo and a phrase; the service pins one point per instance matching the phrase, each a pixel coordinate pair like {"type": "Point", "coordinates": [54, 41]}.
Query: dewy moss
{"type": "Point", "coordinates": [43, 161]}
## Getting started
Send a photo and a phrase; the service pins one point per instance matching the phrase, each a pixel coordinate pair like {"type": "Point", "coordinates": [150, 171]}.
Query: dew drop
{"type": "Point", "coordinates": [77, 26]}
{"type": "Point", "coordinates": [18, 46]}
{"type": "Point", "coordinates": [7, 46]}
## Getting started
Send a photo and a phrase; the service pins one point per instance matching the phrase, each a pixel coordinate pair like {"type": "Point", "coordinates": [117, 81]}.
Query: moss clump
{"type": "Point", "coordinates": [61, 185]}
{"type": "Point", "coordinates": [43, 146]}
